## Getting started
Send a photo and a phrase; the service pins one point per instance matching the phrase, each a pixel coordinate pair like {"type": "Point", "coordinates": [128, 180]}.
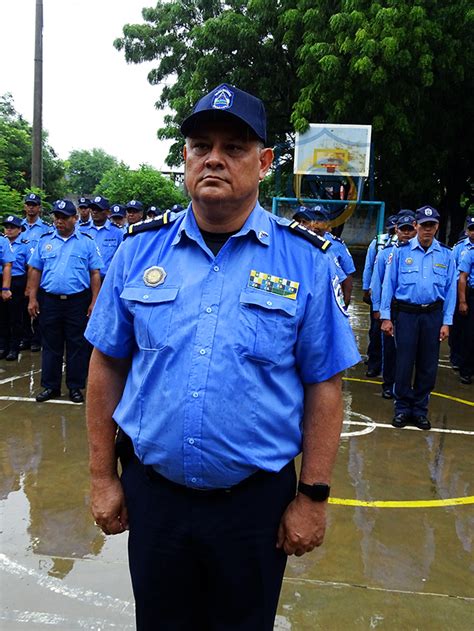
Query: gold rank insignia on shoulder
{"type": "Point", "coordinates": [273, 284]}
{"type": "Point", "coordinates": [308, 234]}
{"type": "Point", "coordinates": [154, 276]}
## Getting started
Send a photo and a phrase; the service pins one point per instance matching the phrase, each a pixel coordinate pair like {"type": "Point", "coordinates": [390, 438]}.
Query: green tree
{"type": "Point", "coordinates": [406, 67]}
{"type": "Point", "coordinates": [86, 168]}
{"type": "Point", "coordinates": [10, 201]}
{"type": "Point", "coordinates": [121, 184]}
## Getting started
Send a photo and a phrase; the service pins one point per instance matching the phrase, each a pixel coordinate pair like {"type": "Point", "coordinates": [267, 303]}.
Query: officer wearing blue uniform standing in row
{"type": "Point", "coordinates": [117, 216]}
{"type": "Point", "coordinates": [374, 349]}
{"type": "Point", "coordinates": [404, 231]}
{"type": "Point", "coordinates": [466, 308]}
{"type": "Point", "coordinates": [12, 310]}
{"type": "Point", "coordinates": [65, 266]}
{"type": "Point", "coordinates": [418, 301]}
{"type": "Point", "coordinates": [85, 219]}
{"type": "Point", "coordinates": [6, 259]}
{"type": "Point", "coordinates": [106, 234]}
{"type": "Point", "coordinates": [220, 336]}
{"type": "Point", "coordinates": [153, 211]}
{"type": "Point", "coordinates": [135, 211]}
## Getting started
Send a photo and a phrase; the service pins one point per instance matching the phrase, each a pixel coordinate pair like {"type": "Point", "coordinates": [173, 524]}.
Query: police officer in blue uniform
{"type": "Point", "coordinates": [418, 301]}
{"type": "Point", "coordinates": [117, 216]}
{"type": "Point", "coordinates": [466, 308]}
{"type": "Point", "coordinates": [6, 259]}
{"type": "Point", "coordinates": [135, 210]}
{"type": "Point", "coordinates": [219, 336]}
{"type": "Point", "coordinates": [405, 230]}
{"type": "Point", "coordinates": [374, 349]}
{"type": "Point", "coordinates": [153, 211]}
{"type": "Point", "coordinates": [106, 234]}
{"type": "Point", "coordinates": [85, 219]}
{"type": "Point", "coordinates": [11, 311]}
{"type": "Point", "coordinates": [65, 265]}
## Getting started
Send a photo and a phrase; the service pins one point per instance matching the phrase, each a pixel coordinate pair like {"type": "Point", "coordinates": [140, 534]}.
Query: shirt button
{"type": "Point", "coordinates": [216, 268]}
{"type": "Point", "coordinates": [191, 441]}
{"type": "Point", "coordinates": [209, 310]}
{"type": "Point", "coordinates": [194, 480]}
{"type": "Point", "coordinates": [145, 297]}
{"type": "Point", "coordinates": [202, 351]}
{"type": "Point", "coordinates": [269, 303]}
{"type": "Point", "coordinates": [195, 395]}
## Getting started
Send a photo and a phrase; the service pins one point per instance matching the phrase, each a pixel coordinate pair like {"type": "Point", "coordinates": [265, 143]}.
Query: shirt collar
{"type": "Point", "coordinates": [415, 244]}
{"type": "Point", "coordinates": [55, 234]}
{"type": "Point", "coordinates": [257, 223]}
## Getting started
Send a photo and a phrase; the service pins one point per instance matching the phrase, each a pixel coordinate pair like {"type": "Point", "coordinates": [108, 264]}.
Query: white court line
{"type": "Point", "coordinates": [31, 618]}
{"type": "Point", "coordinates": [433, 429]}
{"type": "Point", "coordinates": [25, 374]}
{"type": "Point", "coordinates": [57, 586]}
{"type": "Point", "coordinates": [6, 398]}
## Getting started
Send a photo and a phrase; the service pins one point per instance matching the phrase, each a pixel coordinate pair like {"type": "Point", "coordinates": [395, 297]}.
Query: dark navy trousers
{"type": "Point", "coordinates": [374, 349]}
{"type": "Point", "coordinates": [466, 368]}
{"type": "Point", "coordinates": [389, 358]}
{"type": "Point", "coordinates": [11, 315]}
{"type": "Point", "coordinates": [205, 561]}
{"type": "Point", "coordinates": [417, 346]}
{"type": "Point", "coordinates": [62, 324]}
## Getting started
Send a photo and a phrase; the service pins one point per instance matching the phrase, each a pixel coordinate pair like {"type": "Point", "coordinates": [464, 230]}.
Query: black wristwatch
{"type": "Point", "coordinates": [318, 492]}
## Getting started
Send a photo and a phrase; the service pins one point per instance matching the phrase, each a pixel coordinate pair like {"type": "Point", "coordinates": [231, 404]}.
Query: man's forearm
{"type": "Point", "coordinates": [462, 284]}
{"type": "Point", "coordinates": [322, 425]}
{"type": "Point", "coordinates": [106, 381]}
{"type": "Point", "coordinates": [34, 277]}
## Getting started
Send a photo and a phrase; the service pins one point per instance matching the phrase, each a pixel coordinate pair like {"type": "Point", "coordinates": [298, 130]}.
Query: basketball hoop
{"type": "Point", "coordinates": [330, 167]}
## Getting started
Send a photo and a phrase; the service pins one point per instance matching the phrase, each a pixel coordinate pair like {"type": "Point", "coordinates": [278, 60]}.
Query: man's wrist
{"type": "Point", "coordinates": [6, 288]}
{"type": "Point", "coordinates": [317, 492]}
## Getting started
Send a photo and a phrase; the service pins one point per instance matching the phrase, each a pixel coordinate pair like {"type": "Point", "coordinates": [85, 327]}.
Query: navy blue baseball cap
{"type": "Point", "coordinates": [469, 221]}
{"type": "Point", "coordinates": [154, 210]}
{"type": "Point", "coordinates": [117, 210]}
{"type": "Point", "coordinates": [320, 212]}
{"type": "Point", "coordinates": [32, 198]}
{"type": "Point", "coordinates": [12, 220]}
{"type": "Point", "coordinates": [176, 208]}
{"type": "Point", "coordinates": [303, 214]}
{"type": "Point", "coordinates": [427, 213]}
{"type": "Point", "coordinates": [391, 221]}
{"type": "Point", "coordinates": [64, 207]}
{"type": "Point", "coordinates": [102, 203]}
{"type": "Point", "coordinates": [83, 202]}
{"type": "Point", "coordinates": [134, 205]}
{"type": "Point", "coordinates": [405, 220]}
{"type": "Point", "coordinates": [406, 211]}
{"type": "Point", "coordinates": [227, 100]}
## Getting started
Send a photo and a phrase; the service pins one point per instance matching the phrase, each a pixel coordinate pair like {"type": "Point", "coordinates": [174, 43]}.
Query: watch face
{"type": "Point", "coordinates": [317, 492]}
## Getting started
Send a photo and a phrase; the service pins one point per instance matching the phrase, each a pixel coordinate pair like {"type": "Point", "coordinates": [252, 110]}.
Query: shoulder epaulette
{"type": "Point", "coordinates": [399, 244]}
{"type": "Point", "coordinates": [338, 239]}
{"type": "Point", "coordinates": [461, 241]}
{"type": "Point", "coordinates": [86, 234]}
{"type": "Point", "coordinates": [309, 235]}
{"type": "Point", "coordinates": [46, 234]}
{"type": "Point", "coordinates": [443, 245]}
{"type": "Point", "coordinates": [149, 224]}
{"type": "Point", "coordinates": [24, 240]}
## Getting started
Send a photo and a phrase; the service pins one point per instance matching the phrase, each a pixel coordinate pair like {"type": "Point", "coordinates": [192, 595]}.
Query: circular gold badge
{"type": "Point", "coordinates": [408, 261]}
{"type": "Point", "coordinates": [49, 247]}
{"type": "Point", "coordinates": [154, 276]}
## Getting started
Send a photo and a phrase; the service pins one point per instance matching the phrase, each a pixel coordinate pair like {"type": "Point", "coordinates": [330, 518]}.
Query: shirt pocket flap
{"type": "Point", "coordinates": [266, 300]}
{"type": "Point", "coordinates": [149, 295]}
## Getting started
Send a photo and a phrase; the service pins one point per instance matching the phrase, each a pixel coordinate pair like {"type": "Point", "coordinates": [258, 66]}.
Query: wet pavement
{"type": "Point", "coordinates": [405, 565]}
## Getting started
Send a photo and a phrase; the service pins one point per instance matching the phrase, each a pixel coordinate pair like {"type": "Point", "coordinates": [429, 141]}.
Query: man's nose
{"type": "Point", "coordinates": [215, 158]}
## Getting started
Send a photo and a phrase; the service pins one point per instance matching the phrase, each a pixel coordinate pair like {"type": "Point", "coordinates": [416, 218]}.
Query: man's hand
{"type": "Point", "coordinates": [33, 307]}
{"type": "Point", "coordinates": [376, 315]}
{"type": "Point", "coordinates": [463, 308]}
{"type": "Point", "coordinates": [387, 327]}
{"type": "Point", "coordinates": [6, 294]}
{"type": "Point", "coordinates": [89, 309]}
{"type": "Point", "coordinates": [302, 526]}
{"type": "Point", "coordinates": [366, 297]}
{"type": "Point", "coordinates": [444, 333]}
{"type": "Point", "coordinates": [108, 505]}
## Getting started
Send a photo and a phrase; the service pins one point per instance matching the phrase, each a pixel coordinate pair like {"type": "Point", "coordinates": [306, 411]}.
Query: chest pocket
{"type": "Point", "coordinates": [267, 326]}
{"type": "Point", "coordinates": [49, 259]}
{"type": "Point", "coordinates": [439, 276]}
{"type": "Point", "coordinates": [78, 261]}
{"type": "Point", "coordinates": [409, 274]}
{"type": "Point", "coordinates": [152, 308]}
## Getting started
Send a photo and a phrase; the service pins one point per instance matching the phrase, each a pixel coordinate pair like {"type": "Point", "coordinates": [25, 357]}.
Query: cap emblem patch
{"type": "Point", "coordinates": [223, 99]}
{"type": "Point", "coordinates": [428, 212]}
{"type": "Point", "coordinates": [154, 276]}
{"type": "Point", "coordinates": [98, 198]}
{"type": "Point", "coordinates": [9, 218]}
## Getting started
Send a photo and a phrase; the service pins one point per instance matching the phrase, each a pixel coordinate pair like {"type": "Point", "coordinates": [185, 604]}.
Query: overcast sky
{"type": "Point", "coordinates": [91, 96]}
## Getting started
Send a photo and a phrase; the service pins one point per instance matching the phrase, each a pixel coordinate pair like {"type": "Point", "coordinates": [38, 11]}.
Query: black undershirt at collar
{"type": "Point", "coordinates": [215, 240]}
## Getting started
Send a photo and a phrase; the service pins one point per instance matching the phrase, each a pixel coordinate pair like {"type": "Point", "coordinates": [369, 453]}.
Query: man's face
{"type": "Point", "coordinates": [320, 226]}
{"type": "Point", "coordinates": [224, 164]}
{"type": "Point", "coordinates": [64, 224]}
{"type": "Point", "coordinates": [118, 221]}
{"type": "Point", "coordinates": [426, 232]}
{"type": "Point", "coordinates": [84, 213]}
{"type": "Point", "coordinates": [134, 216]}
{"type": "Point", "coordinates": [32, 209]}
{"type": "Point", "coordinates": [406, 232]}
{"type": "Point", "coordinates": [99, 217]}
{"type": "Point", "coordinates": [470, 233]}
{"type": "Point", "coordinates": [11, 231]}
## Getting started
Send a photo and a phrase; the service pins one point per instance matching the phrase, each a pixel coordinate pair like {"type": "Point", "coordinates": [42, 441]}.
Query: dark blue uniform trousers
{"type": "Point", "coordinates": [62, 324]}
{"type": "Point", "coordinates": [417, 347]}
{"type": "Point", "coordinates": [205, 561]}
{"type": "Point", "coordinates": [374, 349]}
{"type": "Point", "coordinates": [389, 358]}
{"type": "Point", "coordinates": [11, 315]}
{"type": "Point", "coordinates": [467, 354]}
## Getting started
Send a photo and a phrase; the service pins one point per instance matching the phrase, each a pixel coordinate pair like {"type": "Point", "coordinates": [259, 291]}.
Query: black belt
{"type": "Point", "coordinates": [66, 296]}
{"type": "Point", "coordinates": [408, 307]}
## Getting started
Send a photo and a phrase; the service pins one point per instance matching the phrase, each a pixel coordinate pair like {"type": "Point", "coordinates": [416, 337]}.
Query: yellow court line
{"type": "Point", "coordinates": [436, 394]}
{"type": "Point", "coordinates": [452, 501]}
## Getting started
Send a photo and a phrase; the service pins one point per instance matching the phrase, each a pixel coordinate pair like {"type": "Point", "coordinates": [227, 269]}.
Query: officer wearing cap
{"type": "Point", "coordinates": [106, 234]}
{"type": "Point", "coordinates": [153, 211]}
{"type": "Point", "coordinates": [11, 310]}
{"type": "Point", "coordinates": [65, 265]}
{"type": "Point", "coordinates": [404, 231]}
{"type": "Point", "coordinates": [418, 300]}
{"type": "Point", "coordinates": [117, 216]}
{"type": "Point", "coordinates": [135, 210]}
{"type": "Point", "coordinates": [85, 219]}
{"type": "Point", "coordinates": [219, 334]}
{"type": "Point", "coordinates": [466, 305]}
{"type": "Point", "coordinates": [6, 259]}
{"type": "Point", "coordinates": [374, 349]}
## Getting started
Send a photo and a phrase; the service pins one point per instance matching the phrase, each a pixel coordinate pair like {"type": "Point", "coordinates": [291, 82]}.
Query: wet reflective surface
{"type": "Point", "coordinates": [408, 567]}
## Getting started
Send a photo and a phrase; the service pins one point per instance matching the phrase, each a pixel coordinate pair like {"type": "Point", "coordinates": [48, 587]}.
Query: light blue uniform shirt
{"type": "Point", "coordinates": [378, 275]}
{"type": "Point", "coordinates": [215, 389]}
{"type": "Point", "coordinates": [375, 246]}
{"type": "Point", "coordinates": [341, 253]}
{"type": "Point", "coordinates": [65, 265]}
{"type": "Point", "coordinates": [6, 252]}
{"type": "Point", "coordinates": [108, 238]}
{"type": "Point", "coordinates": [33, 231]}
{"type": "Point", "coordinates": [467, 265]}
{"type": "Point", "coordinates": [21, 251]}
{"type": "Point", "coordinates": [420, 277]}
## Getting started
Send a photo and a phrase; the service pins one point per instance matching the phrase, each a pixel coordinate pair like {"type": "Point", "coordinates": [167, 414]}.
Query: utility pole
{"type": "Point", "coordinates": [37, 139]}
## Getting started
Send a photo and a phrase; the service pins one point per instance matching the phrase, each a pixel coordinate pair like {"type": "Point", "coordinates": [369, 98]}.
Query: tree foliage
{"type": "Point", "coordinates": [86, 168]}
{"type": "Point", "coordinates": [121, 184]}
{"type": "Point", "coordinates": [15, 154]}
{"type": "Point", "coordinates": [404, 66]}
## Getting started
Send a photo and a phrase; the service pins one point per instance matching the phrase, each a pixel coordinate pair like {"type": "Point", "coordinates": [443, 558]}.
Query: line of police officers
{"type": "Point", "coordinates": [51, 276]}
